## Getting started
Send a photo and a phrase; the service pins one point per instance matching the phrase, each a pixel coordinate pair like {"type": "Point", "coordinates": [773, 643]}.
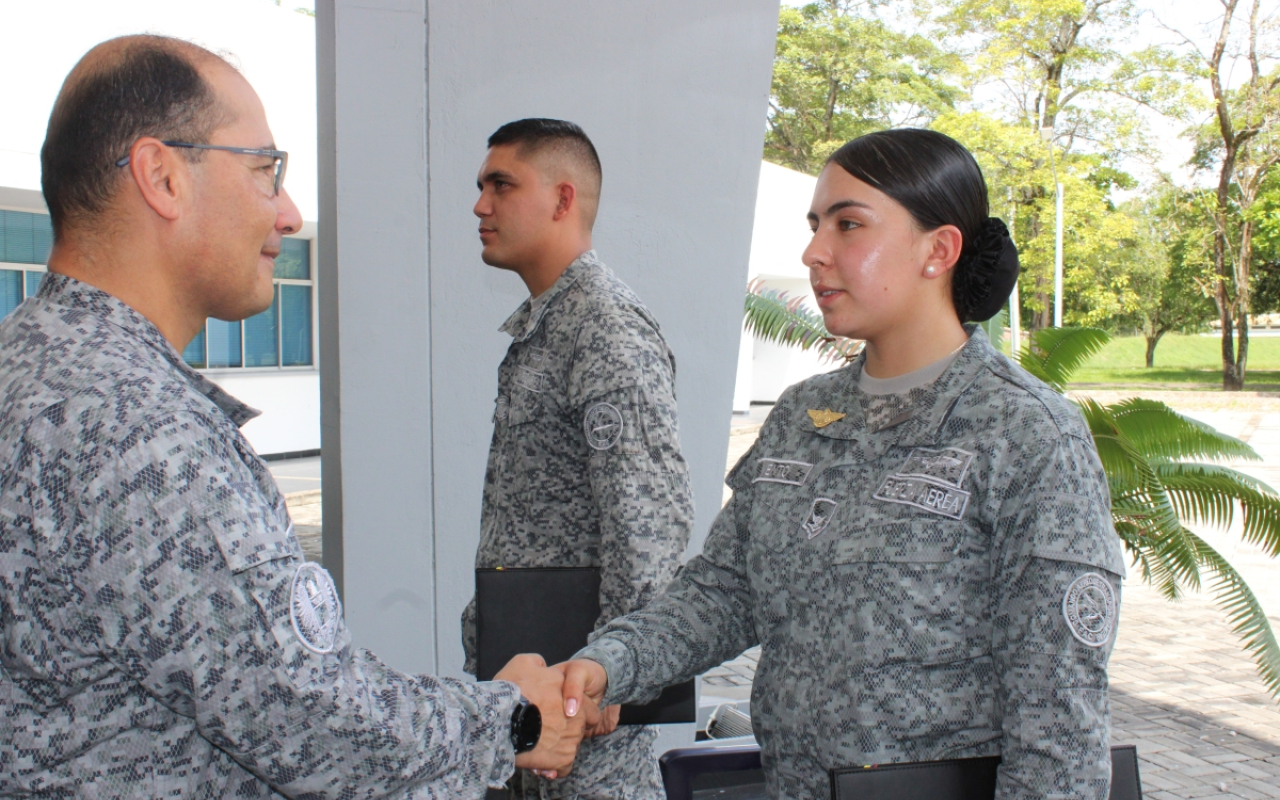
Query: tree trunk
{"type": "Point", "coordinates": [1242, 299]}
{"type": "Point", "coordinates": [1152, 341]}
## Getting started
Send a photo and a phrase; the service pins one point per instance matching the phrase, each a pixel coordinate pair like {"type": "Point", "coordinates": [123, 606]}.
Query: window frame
{"type": "Point", "coordinates": [307, 234]}
{"type": "Point", "coordinates": [314, 366]}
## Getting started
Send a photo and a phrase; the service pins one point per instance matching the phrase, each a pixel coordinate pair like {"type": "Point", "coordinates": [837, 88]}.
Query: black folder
{"type": "Point", "coordinates": [960, 779]}
{"type": "Point", "coordinates": [551, 611]}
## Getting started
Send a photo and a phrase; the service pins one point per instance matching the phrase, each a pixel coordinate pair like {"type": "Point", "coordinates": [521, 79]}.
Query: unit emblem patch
{"type": "Point", "coordinates": [1089, 607]}
{"type": "Point", "coordinates": [948, 465]}
{"type": "Point", "coordinates": [501, 408]}
{"type": "Point", "coordinates": [314, 608]}
{"type": "Point", "coordinates": [820, 514]}
{"type": "Point", "coordinates": [777, 470]}
{"type": "Point", "coordinates": [603, 425]}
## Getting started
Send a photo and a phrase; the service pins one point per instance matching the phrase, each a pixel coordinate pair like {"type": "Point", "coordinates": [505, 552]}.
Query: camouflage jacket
{"type": "Point", "coordinates": [930, 575]}
{"type": "Point", "coordinates": [585, 467]}
{"type": "Point", "coordinates": [160, 633]}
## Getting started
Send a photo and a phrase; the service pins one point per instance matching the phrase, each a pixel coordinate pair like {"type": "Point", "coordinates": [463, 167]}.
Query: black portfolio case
{"type": "Point", "coordinates": [551, 611]}
{"type": "Point", "coordinates": [960, 779]}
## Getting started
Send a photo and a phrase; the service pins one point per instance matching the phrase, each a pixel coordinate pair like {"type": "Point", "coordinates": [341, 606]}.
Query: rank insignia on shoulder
{"type": "Point", "coordinates": [822, 419]}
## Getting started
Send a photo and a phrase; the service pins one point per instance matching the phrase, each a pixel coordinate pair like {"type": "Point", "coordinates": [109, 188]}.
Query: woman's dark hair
{"type": "Point", "coordinates": [939, 183]}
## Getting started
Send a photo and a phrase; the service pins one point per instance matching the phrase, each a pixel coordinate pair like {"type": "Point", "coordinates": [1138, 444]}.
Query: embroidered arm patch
{"type": "Point", "coordinates": [603, 426]}
{"type": "Point", "coordinates": [1089, 607]}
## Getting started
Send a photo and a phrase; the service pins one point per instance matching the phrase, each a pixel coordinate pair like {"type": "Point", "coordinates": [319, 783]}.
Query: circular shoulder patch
{"type": "Point", "coordinates": [1089, 607]}
{"type": "Point", "coordinates": [603, 425]}
{"type": "Point", "coordinates": [314, 608]}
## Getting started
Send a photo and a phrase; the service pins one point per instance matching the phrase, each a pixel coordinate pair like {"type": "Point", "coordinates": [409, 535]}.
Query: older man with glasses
{"type": "Point", "coordinates": [160, 632]}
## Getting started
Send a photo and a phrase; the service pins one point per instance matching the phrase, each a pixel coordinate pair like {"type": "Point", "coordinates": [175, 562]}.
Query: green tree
{"type": "Point", "coordinates": [1014, 161]}
{"type": "Point", "coordinates": [840, 72]}
{"type": "Point", "coordinates": [1164, 472]}
{"type": "Point", "coordinates": [1054, 65]}
{"type": "Point", "coordinates": [1241, 144]}
{"type": "Point", "coordinates": [1170, 268]}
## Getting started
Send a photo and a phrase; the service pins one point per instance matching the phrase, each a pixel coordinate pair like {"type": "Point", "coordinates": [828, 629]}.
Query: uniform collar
{"type": "Point", "coordinates": [526, 319]}
{"type": "Point", "coordinates": [920, 421]}
{"type": "Point", "coordinates": [65, 291]}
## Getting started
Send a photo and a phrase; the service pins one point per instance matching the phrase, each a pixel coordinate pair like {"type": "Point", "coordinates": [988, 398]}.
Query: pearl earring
{"type": "Point", "coordinates": [928, 270]}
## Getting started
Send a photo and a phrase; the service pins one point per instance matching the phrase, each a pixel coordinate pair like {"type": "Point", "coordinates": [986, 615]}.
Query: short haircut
{"type": "Point", "coordinates": [122, 90]}
{"type": "Point", "coordinates": [562, 140]}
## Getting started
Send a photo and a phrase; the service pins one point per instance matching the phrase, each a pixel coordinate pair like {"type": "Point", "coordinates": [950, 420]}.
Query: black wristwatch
{"type": "Point", "coordinates": [526, 726]}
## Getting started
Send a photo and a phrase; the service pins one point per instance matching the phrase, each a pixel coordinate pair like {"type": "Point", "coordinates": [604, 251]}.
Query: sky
{"type": "Point", "coordinates": [41, 40]}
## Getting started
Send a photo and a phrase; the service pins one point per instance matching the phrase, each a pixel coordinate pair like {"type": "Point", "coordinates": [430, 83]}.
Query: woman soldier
{"type": "Point", "coordinates": [920, 542]}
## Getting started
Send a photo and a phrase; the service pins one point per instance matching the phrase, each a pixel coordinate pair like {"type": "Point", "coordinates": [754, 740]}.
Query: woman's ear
{"type": "Point", "coordinates": [943, 247]}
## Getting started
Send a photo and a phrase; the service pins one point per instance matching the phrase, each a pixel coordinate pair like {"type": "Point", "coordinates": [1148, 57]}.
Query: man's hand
{"type": "Point", "coordinates": [562, 725]}
{"type": "Point", "coordinates": [585, 683]}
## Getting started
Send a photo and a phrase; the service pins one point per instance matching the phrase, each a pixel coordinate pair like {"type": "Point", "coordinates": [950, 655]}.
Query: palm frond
{"type": "Point", "coordinates": [1248, 619]}
{"type": "Point", "coordinates": [1124, 463]}
{"type": "Point", "coordinates": [1055, 353]}
{"type": "Point", "coordinates": [1209, 493]}
{"type": "Point", "coordinates": [1160, 432]}
{"type": "Point", "coordinates": [775, 317]}
{"type": "Point", "coordinates": [1151, 552]}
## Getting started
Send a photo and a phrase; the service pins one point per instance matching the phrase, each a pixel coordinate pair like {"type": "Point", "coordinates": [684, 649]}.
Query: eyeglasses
{"type": "Point", "coordinates": [280, 156]}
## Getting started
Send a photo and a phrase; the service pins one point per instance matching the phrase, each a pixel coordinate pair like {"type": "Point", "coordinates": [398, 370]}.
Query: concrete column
{"type": "Point", "coordinates": [673, 93]}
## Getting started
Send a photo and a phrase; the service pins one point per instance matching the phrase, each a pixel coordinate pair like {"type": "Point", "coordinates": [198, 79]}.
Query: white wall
{"type": "Point", "coordinates": [778, 238]}
{"type": "Point", "coordinates": [673, 93]}
{"type": "Point", "coordinates": [290, 405]}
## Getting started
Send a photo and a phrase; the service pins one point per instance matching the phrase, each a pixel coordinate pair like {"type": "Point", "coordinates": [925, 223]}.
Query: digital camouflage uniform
{"type": "Point", "coordinates": [932, 575]}
{"type": "Point", "coordinates": [161, 635]}
{"type": "Point", "coordinates": [585, 471]}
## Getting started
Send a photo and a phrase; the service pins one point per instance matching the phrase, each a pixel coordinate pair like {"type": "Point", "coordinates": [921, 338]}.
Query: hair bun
{"type": "Point", "coordinates": [985, 275]}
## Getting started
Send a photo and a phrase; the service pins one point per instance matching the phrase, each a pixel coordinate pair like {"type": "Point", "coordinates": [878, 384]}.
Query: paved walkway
{"type": "Point", "coordinates": [1182, 689]}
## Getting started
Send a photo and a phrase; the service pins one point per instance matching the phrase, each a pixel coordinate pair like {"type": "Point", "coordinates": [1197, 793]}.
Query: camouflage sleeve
{"type": "Point", "coordinates": [623, 384]}
{"type": "Point", "coordinates": [1057, 579]}
{"type": "Point", "coordinates": [701, 619]}
{"type": "Point", "coordinates": [206, 603]}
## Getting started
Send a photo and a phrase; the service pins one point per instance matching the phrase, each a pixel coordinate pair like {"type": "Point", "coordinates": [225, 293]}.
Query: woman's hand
{"type": "Point", "coordinates": [585, 681]}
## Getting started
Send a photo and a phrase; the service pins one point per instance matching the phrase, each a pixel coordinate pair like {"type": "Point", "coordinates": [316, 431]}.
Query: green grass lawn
{"type": "Point", "coordinates": [1189, 362]}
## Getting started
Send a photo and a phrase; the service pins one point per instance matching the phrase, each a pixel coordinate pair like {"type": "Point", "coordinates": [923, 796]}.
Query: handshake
{"type": "Point", "coordinates": [568, 696]}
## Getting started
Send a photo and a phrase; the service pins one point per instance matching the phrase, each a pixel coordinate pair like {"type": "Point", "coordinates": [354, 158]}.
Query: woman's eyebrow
{"type": "Point", "coordinates": [837, 206]}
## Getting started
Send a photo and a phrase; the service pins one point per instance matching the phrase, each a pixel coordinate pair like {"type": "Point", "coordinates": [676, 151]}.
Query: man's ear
{"type": "Point", "coordinates": [944, 246]}
{"type": "Point", "coordinates": [568, 198]}
{"type": "Point", "coordinates": [161, 175]}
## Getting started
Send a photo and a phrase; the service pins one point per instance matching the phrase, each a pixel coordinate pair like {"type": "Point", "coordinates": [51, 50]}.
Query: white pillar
{"type": "Point", "coordinates": [673, 93]}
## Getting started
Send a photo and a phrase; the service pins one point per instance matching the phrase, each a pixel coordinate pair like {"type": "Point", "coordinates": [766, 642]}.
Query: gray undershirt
{"type": "Point", "coordinates": [901, 384]}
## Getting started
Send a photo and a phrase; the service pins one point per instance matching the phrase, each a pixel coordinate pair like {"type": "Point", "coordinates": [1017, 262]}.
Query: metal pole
{"type": "Point", "coordinates": [1046, 133]}
{"type": "Point", "coordinates": [1015, 306]}
{"type": "Point", "coordinates": [1057, 265]}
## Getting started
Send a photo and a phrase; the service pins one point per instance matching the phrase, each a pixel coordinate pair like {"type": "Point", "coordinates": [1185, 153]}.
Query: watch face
{"type": "Point", "coordinates": [527, 728]}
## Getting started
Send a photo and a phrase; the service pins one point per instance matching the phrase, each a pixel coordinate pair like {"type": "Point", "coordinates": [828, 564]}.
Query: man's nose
{"type": "Point", "coordinates": [288, 217]}
{"type": "Point", "coordinates": [481, 208]}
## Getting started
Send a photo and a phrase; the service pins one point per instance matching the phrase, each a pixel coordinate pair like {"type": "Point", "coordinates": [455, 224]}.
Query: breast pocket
{"type": "Point", "coordinates": [912, 589]}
